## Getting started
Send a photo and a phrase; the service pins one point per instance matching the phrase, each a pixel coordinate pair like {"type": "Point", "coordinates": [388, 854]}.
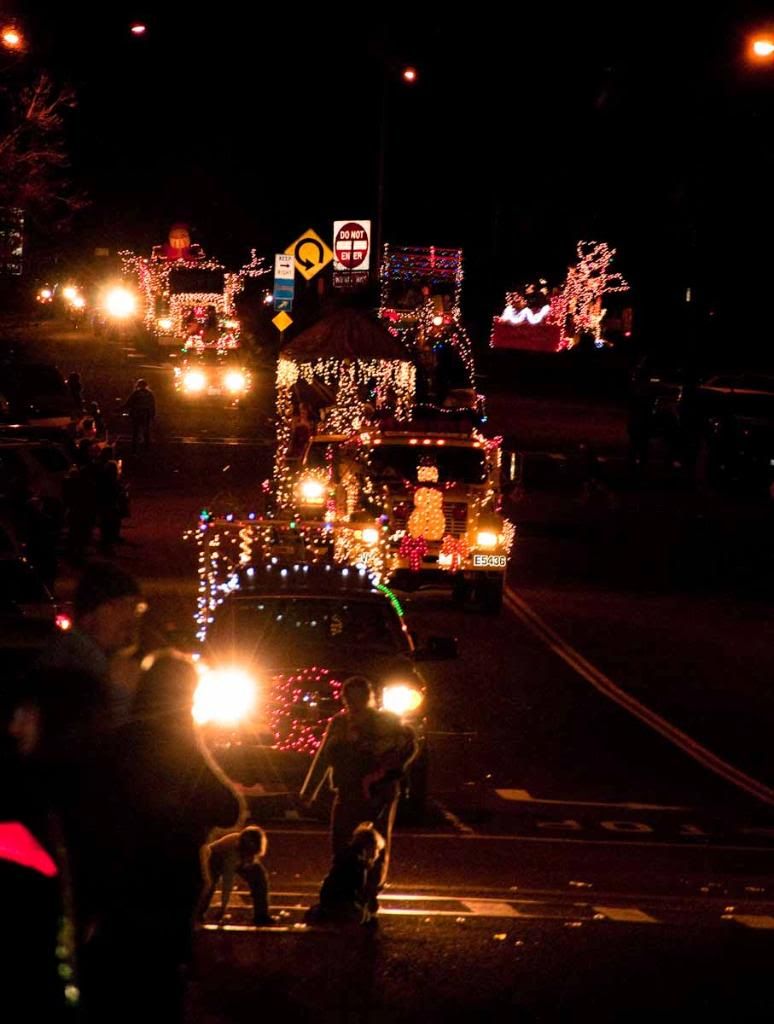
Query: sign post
{"type": "Point", "coordinates": [284, 283]}
{"type": "Point", "coordinates": [310, 254]}
{"type": "Point", "coordinates": [351, 252]}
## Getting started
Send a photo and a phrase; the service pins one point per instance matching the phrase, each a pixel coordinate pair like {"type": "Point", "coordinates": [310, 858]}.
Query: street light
{"type": "Point", "coordinates": [138, 29]}
{"type": "Point", "coordinates": [762, 46]}
{"type": "Point", "coordinates": [408, 75]}
{"type": "Point", "coordinates": [11, 38]}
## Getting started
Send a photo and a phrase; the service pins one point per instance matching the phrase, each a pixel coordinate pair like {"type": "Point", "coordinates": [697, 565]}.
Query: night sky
{"type": "Point", "coordinates": [637, 124]}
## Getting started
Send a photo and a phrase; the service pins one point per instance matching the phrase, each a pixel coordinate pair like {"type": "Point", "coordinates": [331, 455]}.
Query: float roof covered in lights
{"type": "Point", "coordinates": [307, 578]}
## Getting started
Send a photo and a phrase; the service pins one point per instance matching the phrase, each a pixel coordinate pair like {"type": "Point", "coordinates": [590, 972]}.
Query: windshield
{"type": "Point", "coordinates": [402, 462]}
{"type": "Point", "coordinates": [277, 627]}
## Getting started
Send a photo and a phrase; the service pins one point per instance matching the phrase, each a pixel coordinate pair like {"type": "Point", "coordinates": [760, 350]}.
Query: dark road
{"type": "Point", "coordinates": [600, 828]}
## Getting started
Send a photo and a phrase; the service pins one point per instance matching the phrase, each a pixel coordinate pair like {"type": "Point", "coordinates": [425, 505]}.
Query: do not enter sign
{"type": "Point", "coordinates": [351, 244]}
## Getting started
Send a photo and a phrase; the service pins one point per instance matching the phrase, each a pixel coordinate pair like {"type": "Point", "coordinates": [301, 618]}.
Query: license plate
{"type": "Point", "coordinates": [489, 561]}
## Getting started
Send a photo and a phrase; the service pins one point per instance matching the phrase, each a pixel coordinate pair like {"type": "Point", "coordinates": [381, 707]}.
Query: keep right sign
{"type": "Point", "coordinates": [351, 244]}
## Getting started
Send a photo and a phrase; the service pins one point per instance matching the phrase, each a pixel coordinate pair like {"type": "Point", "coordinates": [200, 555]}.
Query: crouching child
{"type": "Point", "coordinates": [238, 853]}
{"type": "Point", "coordinates": [344, 895]}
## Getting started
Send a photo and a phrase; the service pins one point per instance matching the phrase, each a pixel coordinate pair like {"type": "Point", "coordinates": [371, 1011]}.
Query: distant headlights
{"type": "Point", "coordinates": [194, 381]}
{"type": "Point", "coordinates": [235, 382]}
{"type": "Point", "coordinates": [401, 698]}
{"type": "Point", "coordinates": [224, 696]}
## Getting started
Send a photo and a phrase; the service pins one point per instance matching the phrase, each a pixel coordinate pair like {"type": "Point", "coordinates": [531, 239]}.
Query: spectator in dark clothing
{"type": "Point", "coordinates": [81, 503]}
{"type": "Point", "coordinates": [166, 795]}
{"type": "Point", "coordinates": [344, 895]}
{"type": "Point", "coordinates": [141, 406]}
{"type": "Point", "coordinates": [94, 412]}
{"type": "Point", "coordinates": [365, 752]}
{"type": "Point", "coordinates": [238, 853]}
{"type": "Point", "coordinates": [110, 500]}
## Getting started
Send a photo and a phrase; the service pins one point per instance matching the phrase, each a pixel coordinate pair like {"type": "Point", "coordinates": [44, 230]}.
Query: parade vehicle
{"type": "Point", "coordinates": [210, 372]}
{"type": "Point", "coordinates": [184, 297]}
{"type": "Point", "coordinates": [421, 292]}
{"type": "Point", "coordinates": [434, 491]}
{"type": "Point", "coordinates": [278, 645]}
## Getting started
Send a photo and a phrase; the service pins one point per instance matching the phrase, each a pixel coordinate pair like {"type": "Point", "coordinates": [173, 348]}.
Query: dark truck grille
{"type": "Point", "coordinates": [455, 514]}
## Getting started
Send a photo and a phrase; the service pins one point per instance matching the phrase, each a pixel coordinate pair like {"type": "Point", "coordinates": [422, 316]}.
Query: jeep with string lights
{"type": "Point", "coordinates": [436, 491]}
{"type": "Point", "coordinates": [278, 641]}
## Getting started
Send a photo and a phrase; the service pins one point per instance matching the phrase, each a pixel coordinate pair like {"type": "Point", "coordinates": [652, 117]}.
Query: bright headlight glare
{"type": "Point", "coordinates": [370, 536]}
{"type": "Point", "coordinates": [69, 292]}
{"type": "Point", "coordinates": [312, 490]}
{"type": "Point", "coordinates": [401, 698]}
{"type": "Point", "coordinates": [224, 696]}
{"type": "Point", "coordinates": [77, 302]}
{"type": "Point", "coordinates": [194, 380]}
{"type": "Point", "coordinates": [120, 303]}
{"type": "Point", "coordinates": [235, 381]}
{"type": "Point", "coordinates": [486, 539]}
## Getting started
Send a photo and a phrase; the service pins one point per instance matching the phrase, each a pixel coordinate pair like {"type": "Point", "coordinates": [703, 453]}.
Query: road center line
{"type": "Point", "coordinates": [701, 754]}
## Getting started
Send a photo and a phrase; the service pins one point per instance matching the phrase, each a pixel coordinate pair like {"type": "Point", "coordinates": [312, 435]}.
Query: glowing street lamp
{"type": "Point", "coordinates": [138, 29]}
{"type": "Point", "coordinates": [11, 38]}
{"type": "Point", "coordinates": [762, 47]}
{"type": "Point", "coordinates": [409, 75]}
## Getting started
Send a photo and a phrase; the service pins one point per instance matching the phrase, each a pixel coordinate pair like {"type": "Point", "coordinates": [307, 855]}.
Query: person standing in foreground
{"type": "Point", "coordinates": [365, 752]}
{"type": "Point", "coordinates": [141, 406]}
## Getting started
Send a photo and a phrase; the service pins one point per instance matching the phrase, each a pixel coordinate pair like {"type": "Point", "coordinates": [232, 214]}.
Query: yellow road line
{"type": "Point", "coordinates": [530, 618]}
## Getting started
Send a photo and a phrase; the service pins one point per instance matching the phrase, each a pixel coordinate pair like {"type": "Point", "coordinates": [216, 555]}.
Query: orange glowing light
{"type": "Point", "coordinates": [12, 38]}
{"type": "Point", "coordinates": [763, 46]}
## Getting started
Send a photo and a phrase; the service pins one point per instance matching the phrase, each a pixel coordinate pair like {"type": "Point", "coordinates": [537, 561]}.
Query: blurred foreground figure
{"type": "Point", "coordinates": [166, 794]}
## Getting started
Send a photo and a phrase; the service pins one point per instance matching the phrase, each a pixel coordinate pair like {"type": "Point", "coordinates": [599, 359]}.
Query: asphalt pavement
{"type": "Point", "coordinates": [600, 838]}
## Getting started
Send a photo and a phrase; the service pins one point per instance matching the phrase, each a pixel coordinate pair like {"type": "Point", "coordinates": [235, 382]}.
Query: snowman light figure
{"type": "Point", "coordinates": [427, 520]}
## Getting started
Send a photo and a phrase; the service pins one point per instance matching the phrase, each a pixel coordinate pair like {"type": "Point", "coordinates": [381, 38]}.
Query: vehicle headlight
{"type": "Point", "coordinates": [370, 536]}
{"type": "Point", "coordinates": [486, 539]}
{"type": "Point", "coordinates": [401, 698]}
{"type": "Point", "coordinates": [224, 696]}
{"type": "Point", "coordinates": [120, 303]}
{"type": "Point", "coordinates": [194, 380]}
{"type": "Point", "coordinates": [164, 323]}
{"type": "Point", "coordinates": [77, 302]}
{"type": "Point", "coordinates": [69, 292]}
{"type": "Point", "coordinates": [312, 491]}
{"type": "Point", "coordinates": [235, 381]}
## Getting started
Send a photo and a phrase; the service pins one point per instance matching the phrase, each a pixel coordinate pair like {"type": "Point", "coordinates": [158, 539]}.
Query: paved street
{"type": "Point", "coordinates": [600, 814]}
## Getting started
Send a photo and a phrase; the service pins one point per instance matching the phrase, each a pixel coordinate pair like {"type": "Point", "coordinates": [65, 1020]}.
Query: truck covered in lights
{"type": "Point", "coordinates": [188, 300]}
{"type": "Point", "coordinates": [415, 506]}
{"type": "Point", "coordinates": [435, 496]}
{"type": "Point", "coordinates": [420, 302]}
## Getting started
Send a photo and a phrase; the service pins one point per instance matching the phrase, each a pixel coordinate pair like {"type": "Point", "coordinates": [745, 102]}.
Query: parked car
{"type": "Point", "coordinates": [35, 393]}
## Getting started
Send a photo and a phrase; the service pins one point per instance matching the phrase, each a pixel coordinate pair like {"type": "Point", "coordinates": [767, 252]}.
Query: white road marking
{"type": "Point", "coordinates": [523, 796]}
{"type": "Point", "coordinates": [530, 618]}
{"type": "Point", "coordinates": [758, 921]}
{"type": "Point", "coordinates": [629, 915]}
{"type": "Point", "coordinates": [490, 908]}
{"type": "Point", "coordinates": [457, 824]}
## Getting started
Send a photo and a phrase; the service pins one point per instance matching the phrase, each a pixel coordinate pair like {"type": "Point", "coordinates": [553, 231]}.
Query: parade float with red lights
{"type": "Point", "coordinates": [541, 318]}
{"type": "Point", "coordinates": [184, 298]}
